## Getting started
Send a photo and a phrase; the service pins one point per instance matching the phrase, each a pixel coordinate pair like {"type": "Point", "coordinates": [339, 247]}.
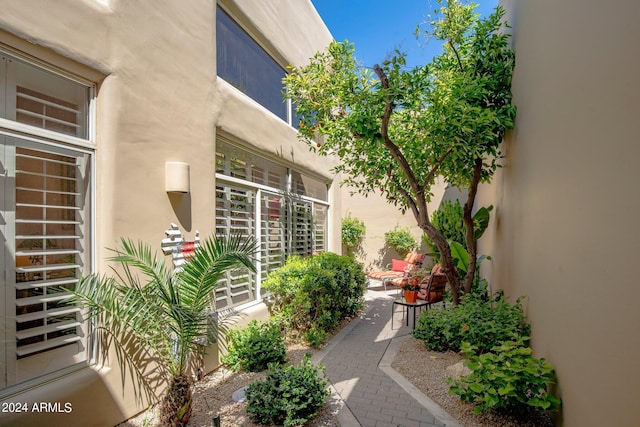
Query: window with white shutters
{"type": "Point", "coordinates": [45, 193]}
{"type": "Point", "coordinates": [49, 227]}
{"type": "Point", "coordinates": [284, 209]}
{"type": "Point", "coordinates": [235, 213]}
{"type": "Point", "coordinates": [273, 233]}
{"type": "Point", "coordinates": [319, 228]}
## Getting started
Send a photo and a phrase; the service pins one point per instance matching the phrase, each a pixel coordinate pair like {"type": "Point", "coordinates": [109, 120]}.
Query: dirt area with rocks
{"type": "Point", "coordinates": [212, 396]}
{"type": "Point", "coordinates": [427, 370]}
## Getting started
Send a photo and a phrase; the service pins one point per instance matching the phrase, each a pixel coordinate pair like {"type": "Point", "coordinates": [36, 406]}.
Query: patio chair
{"type": "Point", "coordinates": [432, 288]}
{"type": "Point", "coordinates": [401, 281]}
{"type": "Point", "coordinates": [398, 268]}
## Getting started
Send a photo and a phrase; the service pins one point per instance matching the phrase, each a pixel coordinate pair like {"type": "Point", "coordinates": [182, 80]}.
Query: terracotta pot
{"type": "Point", "coordinates": [410, 296]}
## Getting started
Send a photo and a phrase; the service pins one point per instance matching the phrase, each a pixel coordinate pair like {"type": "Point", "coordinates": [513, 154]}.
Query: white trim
{"type": "Point", "coordinates": [251, 184]}
{"type": "Point", "coordinates": [22, 131]}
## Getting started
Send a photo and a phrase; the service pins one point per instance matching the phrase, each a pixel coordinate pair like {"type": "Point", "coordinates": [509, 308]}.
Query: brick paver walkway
{"type": "Point", "coordinates": [358, 363]}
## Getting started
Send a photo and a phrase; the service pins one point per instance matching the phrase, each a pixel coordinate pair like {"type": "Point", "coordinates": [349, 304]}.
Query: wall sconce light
{"type": "Point", "coordinates": [176, 177]}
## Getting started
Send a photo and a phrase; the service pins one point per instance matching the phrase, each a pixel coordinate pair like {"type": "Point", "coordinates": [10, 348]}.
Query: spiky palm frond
{"type": "Point", "coordinates": [146, 304]}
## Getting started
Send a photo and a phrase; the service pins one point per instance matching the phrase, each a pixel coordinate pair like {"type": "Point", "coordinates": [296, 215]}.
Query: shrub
{"type": "Point", "coordinates": [253, 348]}
{"type": "Point", "coordinates": [401, 240]}
{"type": "Point", "coordinates": [312, 295]}
{"type": "Point", "coordinates": [508, 378]}
{"type": "Point", "coordinates": [288, 396]}
{"type": "Point", "coordinates": [353, 230]}
{"type": "Point", "coordinates": [448, 220]}
{"type": "Point", "coordinates": [483, 324]}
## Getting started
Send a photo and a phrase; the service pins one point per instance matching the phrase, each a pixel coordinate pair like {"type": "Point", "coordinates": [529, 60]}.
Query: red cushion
{"type": "Point", "coordinates": [398, 265]}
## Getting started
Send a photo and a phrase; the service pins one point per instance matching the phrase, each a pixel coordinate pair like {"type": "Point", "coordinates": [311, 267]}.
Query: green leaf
{"type": "Point", "coordinates": [476, 387]}
{"type": "Point", "coordinates": [506, 389]}
{"type": "Point", "coordinates": [481, 221]}
{"type": "Point", "coordinates": [460, 256]}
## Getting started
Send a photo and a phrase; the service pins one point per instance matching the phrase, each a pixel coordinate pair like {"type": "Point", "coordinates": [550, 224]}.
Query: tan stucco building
{"type": "Point", "coordinates": [97, 97]}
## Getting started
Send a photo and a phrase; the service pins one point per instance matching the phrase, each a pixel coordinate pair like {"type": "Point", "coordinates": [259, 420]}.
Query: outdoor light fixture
{"type": "Point", "coordinates": [176, 177]}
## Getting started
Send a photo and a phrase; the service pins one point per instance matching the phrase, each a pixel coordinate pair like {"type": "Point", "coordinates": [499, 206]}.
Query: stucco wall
{"type": "Point", "coordinates": [158, 100]}
{"type": "Point", "coordinates": [566, 201]}
{"type": "Point", "coordinates": [380, 216]}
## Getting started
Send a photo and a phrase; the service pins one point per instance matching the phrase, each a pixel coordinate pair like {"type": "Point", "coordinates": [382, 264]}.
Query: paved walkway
{"type": "Point", "coordinates": [366, 390]}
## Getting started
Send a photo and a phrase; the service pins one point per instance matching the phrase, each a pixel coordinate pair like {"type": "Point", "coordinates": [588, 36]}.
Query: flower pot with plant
{"type": "Point", "coordinates": [411, 289]}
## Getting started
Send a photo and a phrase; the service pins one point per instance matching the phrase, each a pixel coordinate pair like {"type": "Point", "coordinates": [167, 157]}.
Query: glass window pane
{"type": "Point", "coordinates": [246, 66]}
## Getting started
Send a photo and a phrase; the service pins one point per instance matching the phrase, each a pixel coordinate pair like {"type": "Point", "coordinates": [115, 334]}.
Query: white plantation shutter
{"type": "Point", "coordinates": [273, 233]}
{"type": "Point", "coordinates": [47, 112]}
{"type": "Point", "coordinates": [235, 214]}
{"type": "Point", "coordinates": [302, 227]}
{"type": "Point", "coordinates": [319, 228]}
{"type": "Point", "coordinates": [49, 235]}
{"type": "Point", "coordinates": [286, 211]}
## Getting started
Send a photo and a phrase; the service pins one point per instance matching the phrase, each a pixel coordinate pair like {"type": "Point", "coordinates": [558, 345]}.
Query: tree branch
{"type": "Point", "coordinates": [451, 45]}
{"type": "Point", "coordinates": [435, 168]}
{"type": "Point", "coordinates": [421, 203]}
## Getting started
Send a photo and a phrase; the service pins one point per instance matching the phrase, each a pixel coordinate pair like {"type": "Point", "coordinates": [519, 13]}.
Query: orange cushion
{"type": "Point", "coordinates": [414, 258]}
{"type": "Point", "coordinates": [433, 296]}
{"type": "Point", "coordinates": [398, 265]}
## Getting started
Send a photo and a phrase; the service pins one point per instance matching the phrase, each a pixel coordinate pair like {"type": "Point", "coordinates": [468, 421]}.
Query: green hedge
{"type": "Point", "coordinates": [312, 295]}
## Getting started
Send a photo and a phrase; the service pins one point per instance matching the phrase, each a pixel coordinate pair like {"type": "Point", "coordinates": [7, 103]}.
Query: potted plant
{"type": "Point", "coordinates": [411, 289]}
{"type": "Point", "coordinates": [401, 240]}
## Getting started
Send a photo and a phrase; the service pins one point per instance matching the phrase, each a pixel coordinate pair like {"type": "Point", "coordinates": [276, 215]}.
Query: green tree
{"type": "Point", "coordinates": [395, 130]}
{"type": "Point", "coordinates": [149, 307]}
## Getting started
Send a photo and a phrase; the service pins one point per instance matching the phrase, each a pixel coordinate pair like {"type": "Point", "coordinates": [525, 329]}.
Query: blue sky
{"type": "Point", "coordinates": [378, 27]}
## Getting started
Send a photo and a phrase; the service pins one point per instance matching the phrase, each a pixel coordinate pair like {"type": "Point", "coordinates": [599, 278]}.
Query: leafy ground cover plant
{"type": "Point", "coordinates": [508, 378]}
{"type": "Point", "coordinates": [310, 296]}
{"type": "Point", "coordinates": [289, 395]}
{"type": "Point", "coordinates": [483, 324]}
{"type": "Point", "coordinates": [253, 348]}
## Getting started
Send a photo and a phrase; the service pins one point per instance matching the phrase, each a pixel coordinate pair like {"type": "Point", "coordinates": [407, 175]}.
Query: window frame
{"type": "Point", "coordinates": [291, 118]}
{"type": "Point", "coordinates": [46, 140]}
{"type": "Point", "coordinates": [289, 198]}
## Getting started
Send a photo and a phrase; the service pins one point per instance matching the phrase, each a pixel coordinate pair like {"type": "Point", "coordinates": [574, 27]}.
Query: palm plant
{"type": "Point", "coordinates": [151, 313]}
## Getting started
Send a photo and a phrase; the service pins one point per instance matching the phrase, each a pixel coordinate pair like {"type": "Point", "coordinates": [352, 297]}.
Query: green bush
{"type": "Point", "coordinates": [508, 378]}
{"type": "Point", "coordinates": [401, 240]}
{"type": "Point", "coordinates": [253, 348]}
{"type": "Point", "coordinates": [288, 396]}
{"type": "Point", "coordinates": [353, 230]}
{"type": "Point", "coordinates": [483, 324]}
{"type": "Point", "coordinates": [448, 220]}
{"type": "Point", "coordinates": [312, 295]}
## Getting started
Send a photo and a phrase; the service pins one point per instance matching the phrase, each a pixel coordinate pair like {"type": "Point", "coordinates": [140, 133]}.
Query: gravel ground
{"type": "Point", "coordinates": [430, 377]}
{"type": "Point", "coordinates": [213, 395]}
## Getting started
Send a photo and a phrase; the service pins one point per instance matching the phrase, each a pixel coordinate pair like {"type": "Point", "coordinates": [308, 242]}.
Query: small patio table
{"type": "Point", "coordinates": [408, 305]}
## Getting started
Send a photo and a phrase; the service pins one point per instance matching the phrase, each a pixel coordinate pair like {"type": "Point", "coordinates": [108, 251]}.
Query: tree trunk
{"type": "Point", "coordinates": [467, 218]}
{"type": "Point", "coordinates": [446, 260]}
{"type": "Point", "coordinates": [175, 410]}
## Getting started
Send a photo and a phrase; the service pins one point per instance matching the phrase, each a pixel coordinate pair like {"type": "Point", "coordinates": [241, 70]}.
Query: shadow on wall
{"type": "Point", "coordinates": [451, 194]}
{"type": "Point", "coordinates": [181, 204]}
